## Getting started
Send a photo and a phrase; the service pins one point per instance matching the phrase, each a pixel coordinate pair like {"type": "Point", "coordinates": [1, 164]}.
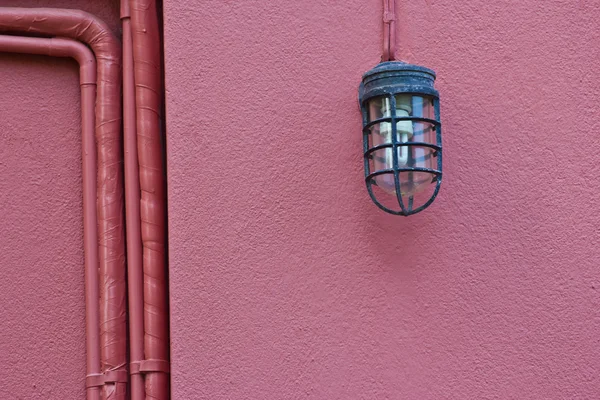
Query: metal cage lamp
{"type": "Point", "coordinates": [402, 137]}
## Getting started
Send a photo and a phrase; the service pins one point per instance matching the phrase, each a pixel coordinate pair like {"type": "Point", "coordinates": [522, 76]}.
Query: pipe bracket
{"type": "Point", "coordinates": [96, 380]}
{"type": "Point", "coordinates": [144, 366]}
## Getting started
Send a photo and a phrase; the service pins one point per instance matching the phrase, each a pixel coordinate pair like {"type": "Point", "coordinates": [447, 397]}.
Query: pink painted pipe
{"type": "Point", "coordinates": [148, 97]}
{"type": "Point", "coordinates": [78, 25]}
{"type": "Point", "coordinates": [132, 213]}
{"type": "Point", "coordinates": [87, 78]}
{"type": "Point", "coordinates": [147, 277]}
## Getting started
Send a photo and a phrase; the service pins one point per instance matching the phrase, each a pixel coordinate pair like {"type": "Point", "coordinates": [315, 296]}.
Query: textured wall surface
{"type": "Point", "coordinates": [42, 318]}
{"type": "Point", "coordinates": [287, 283]}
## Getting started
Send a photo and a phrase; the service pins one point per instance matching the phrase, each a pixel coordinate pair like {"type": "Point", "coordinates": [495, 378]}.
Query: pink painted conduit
{"type": "Point", "coordinates": [107, 365]}
{"type": "Point", "coordinates": [132, 214]}
{"type": "Point", "coordinates": [104, 240]}
{"type": "Point", "coordinates": [146, 222]}
{"type": "Point", "coordinates": [148, 98]}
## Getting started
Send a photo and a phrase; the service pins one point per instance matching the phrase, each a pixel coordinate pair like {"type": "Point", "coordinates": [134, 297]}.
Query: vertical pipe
{"type": "Point", "coordinates": [132, 213]}
{"type": "Point", "coordinates": [87, 77]}
{"type": "Point", "coordinates": [392, 32]}
{"type": "Point", "coordinates": [389, 30]}
{"type": "Point", "coordinates": [147, 63]}
{"type": "Point", "coordinates": [386, 32]}
{"type": "Point", "coordinates": [111, 237]}
{"type": "Point", "coordinates": [92, 297]}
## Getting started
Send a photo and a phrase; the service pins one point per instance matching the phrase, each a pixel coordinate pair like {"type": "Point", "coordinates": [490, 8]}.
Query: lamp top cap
{"type": "Point", "coordinates": [397, 66]}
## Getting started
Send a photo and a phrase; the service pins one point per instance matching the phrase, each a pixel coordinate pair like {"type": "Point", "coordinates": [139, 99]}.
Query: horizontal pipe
{"type": "Point", "coordinates": [54, 47]}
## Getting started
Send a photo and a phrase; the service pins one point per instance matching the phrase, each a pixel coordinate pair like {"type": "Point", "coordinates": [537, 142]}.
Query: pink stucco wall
{"type": "Point", "coordinates": [42, 316]}
{"type": "Point", "coordinates": [287, 283]}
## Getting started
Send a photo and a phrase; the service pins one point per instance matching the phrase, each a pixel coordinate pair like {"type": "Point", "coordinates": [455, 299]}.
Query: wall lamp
{"type": "Point", "coordinates": [402, 137]}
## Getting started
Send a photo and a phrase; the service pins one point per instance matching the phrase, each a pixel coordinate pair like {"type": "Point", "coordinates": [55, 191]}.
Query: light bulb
{"type": "Point", "coordinates": [404, 131]}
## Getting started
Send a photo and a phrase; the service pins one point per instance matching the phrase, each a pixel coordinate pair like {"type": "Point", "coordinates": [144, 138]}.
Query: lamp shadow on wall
{"type": "Point", "coordinates": [402, 244]}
